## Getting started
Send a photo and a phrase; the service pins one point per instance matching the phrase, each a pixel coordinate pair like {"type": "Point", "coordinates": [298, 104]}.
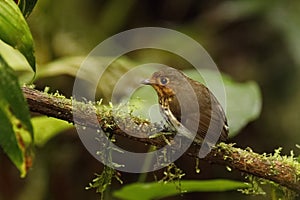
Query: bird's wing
{"type": "Point", "coordinates": [212, 123]}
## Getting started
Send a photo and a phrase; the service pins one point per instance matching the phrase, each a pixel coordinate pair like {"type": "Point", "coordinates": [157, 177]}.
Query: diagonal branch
{"type": "Point", "coordinates": [280, 169]}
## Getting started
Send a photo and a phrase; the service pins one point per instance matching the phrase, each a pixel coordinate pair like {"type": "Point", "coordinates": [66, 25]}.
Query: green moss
{"type": "Point", "coordinates": [254, 186]}
{"type": "Point", "coordinates": [103, 180]}
{"type": "Point", "coordinates": [173, 174]}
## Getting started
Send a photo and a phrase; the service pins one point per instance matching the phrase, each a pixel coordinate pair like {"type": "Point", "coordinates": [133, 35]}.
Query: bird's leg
{"type": "Point", "coordinates": [167, 130]}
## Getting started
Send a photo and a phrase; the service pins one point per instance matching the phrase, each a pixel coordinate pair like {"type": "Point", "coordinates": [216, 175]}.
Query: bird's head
{"type": "Point", "coordinates": [165, 81]}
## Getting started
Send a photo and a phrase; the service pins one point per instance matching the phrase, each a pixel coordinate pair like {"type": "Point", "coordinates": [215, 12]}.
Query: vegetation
{"type": "Point", "coordinates": [254, 43]}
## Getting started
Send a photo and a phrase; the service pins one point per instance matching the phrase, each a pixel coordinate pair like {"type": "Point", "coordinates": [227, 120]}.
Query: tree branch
{"type": "Point", "coordinates": [280, 169]}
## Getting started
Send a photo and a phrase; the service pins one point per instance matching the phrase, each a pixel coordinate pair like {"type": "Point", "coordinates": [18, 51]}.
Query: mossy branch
{"type": "Point", "coordinates": [284, 170]}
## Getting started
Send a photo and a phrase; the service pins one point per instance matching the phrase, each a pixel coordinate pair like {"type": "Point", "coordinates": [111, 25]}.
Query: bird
{"type": "Point", "coordinates": [189, 106]}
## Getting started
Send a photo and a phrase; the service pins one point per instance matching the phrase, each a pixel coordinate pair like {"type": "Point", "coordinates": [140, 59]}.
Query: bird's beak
{"type": "Point", "coordinates": [147, 82]}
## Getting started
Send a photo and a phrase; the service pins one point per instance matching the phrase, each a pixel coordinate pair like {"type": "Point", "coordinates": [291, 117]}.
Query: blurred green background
{"type": "Point", "coordinates": [249, 40]}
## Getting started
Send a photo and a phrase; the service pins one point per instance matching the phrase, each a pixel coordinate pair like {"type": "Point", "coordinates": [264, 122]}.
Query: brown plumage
{"type": "Point", "coordinates": [189, 106]}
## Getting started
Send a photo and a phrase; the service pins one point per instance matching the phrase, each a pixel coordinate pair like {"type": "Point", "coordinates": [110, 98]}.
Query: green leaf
{"type": "Point", "coordinates": [111, 76]}
{"type": "Point", "coordinates": [243, 104]}
{"type": "Point", "coordinates": [157, 190]}
{"type": "Point", "coordinates": [17, 62]}
{"type": "Point", "coordinates": [63, 66]}
{"type": "Point", "coordinates": [16, 130]}
{"type": "Point", "coordinates": [26, 6]}
{"type": "Point", "coordinates": [15, 31]}
{"type": "Point", "coordinates": [243, 100]}
{"type": "Point", "coordinates": [46, 128]}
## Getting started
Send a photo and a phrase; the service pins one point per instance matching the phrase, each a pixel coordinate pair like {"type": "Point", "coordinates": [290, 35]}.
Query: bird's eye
{"type": "Point", "coordinates": [164, 80]}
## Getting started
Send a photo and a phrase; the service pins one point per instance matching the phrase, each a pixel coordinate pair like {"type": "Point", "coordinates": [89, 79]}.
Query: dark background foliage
{"type": "Point", "coordinates": [249, 40]}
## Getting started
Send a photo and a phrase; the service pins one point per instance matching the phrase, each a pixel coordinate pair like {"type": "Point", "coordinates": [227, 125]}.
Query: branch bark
{"type": "Point", "coordinates": [280, 169]}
